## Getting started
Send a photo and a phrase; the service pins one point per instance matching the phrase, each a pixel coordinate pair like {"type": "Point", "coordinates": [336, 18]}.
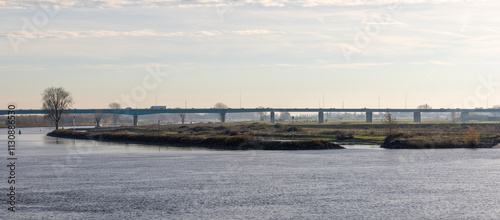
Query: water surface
{"type": "Point", "coordinates": [85, 179]}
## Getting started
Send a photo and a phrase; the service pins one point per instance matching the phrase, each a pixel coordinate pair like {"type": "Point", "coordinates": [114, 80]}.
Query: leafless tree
{"type": "Point", "coordinates": [424, 106]}
{"type": "Point", "coordinates": [285, 116]}
{"type": "Point", "coordinates": [183, 117]}
{"type": "Point", "coordinates": [55, 102]}
{"type": "Point", "coordinates": [390, 123]}
{"type": "Point", "coordinates": [262, 115]}
{"type": "Point", "coordinates": [453, 115]}
{"type": "Point", "coordinates": [115, 105]}
{"type": "Point", "coordinates": [220, 105]}
{"type": "Point", "coordinates": [98, 116]}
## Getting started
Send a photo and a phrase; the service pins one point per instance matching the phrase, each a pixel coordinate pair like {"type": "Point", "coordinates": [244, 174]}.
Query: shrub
{"type": "Point", "coordinates": [344, 135]}
{"type": "Point", "coordinates": [393, 137]}
{"type": "Point", "coordinates": [472, 137]}
{"type": "Point", "coordinates": [200, 128]}
{"type": "Point", "coordinates": [231, 132]}
{"type": "Point", "coordinates": [238, 139]}
{"type": "Point", "coordinates": [294, 128]}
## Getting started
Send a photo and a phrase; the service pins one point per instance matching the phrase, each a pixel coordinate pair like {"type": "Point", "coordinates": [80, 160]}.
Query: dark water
{"type": "Point", "coordinates": [68, 179]}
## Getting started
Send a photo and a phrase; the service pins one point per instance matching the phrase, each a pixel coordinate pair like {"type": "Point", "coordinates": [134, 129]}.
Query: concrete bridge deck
{"type": "Point", "coordinates": [417, 113]}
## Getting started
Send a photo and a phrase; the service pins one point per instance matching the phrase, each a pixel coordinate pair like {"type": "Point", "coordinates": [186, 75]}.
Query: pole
{"type": "Point", "coordinates": [293, 127]}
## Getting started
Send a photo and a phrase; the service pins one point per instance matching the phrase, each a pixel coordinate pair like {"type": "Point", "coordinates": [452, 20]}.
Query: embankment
{"type": "Point", "coordinates": [237, 142]}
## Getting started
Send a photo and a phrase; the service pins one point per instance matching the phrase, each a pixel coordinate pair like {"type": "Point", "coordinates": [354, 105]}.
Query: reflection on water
{"type": "Point", "coordinates": [75, 179]}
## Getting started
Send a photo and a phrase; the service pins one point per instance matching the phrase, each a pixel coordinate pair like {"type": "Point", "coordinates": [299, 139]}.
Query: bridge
{"type": "Point", "coordinates": [417, 113]}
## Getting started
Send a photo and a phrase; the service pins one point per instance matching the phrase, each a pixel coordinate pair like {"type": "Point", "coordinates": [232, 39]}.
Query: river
{"type": "Point", "coordinates": [85, 179]}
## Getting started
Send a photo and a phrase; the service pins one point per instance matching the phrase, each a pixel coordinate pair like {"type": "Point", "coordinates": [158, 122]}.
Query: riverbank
{"type": "Point", "coordinates": [237, 142]}
{"type": "Point", "coordinates": [239, 135]}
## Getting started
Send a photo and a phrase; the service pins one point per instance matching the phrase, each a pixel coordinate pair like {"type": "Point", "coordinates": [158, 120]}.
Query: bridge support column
{"type": "Point", "coordinates": [369, 117]}
{"type": "Point", "coordinates": [464, 116]}
{"type": "Point", "coordinates": [136, 120]}
{"type": "Point", "coordinates": [222, 117]}
{"type": "Point", "coordinates": [321, 117]}
{"type": "Point", "coordinates": [272, 117]}
{"type": "Point", "coordinates": [417, 117]}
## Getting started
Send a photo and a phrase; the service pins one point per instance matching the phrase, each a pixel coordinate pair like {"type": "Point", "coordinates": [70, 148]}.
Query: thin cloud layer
{"type": "Point", "coordinates": [60, 34]}
{"type": "Point", "coordinates": [30, 4]}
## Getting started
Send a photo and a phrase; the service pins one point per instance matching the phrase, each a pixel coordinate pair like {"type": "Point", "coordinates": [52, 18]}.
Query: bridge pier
{"type": "Point", "coordinates": [321, 117]}
{"type": "Point", "coordinates": [417, 117]}
{"type": "Point", "coordinates": [369, 117]}
{"type": "Point", "coordinates": [464, 116]}
{"type": "Point", "coordinates": [222, 117]}
{"type": "Point", "coordinates": [272, 117]}
{"type": "Point", "coordinates": [136, 120]}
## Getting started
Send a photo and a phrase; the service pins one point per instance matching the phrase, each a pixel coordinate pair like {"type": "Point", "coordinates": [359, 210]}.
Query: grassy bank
{"type": "Point", "coordinates": [414, 135]}
{"type": "Point", "coordinates": [340, 132]}
{"type": "Point", "coordinates": [236, 142]}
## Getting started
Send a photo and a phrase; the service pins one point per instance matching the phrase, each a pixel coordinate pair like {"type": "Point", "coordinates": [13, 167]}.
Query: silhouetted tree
{"type": "Point", "coordinates": [285, 116]}
{"type": "Point", "coordinates": [55, 101]}
{"type": "Point", "coordinates": [221, 105]}
{"type": "Point", "coordinates": [262, 115]}
{"type": "Point", "coordinates": [115, 105]}
{"type": "Point", "coordinates": [98, 116]}
{"type": "Point", "coordinates": [183, 117]}
{"type": "Point", "coordinates": [390, 123]}
{"type": "Point", "coordinates": [453, 115]}
{"type": "Point", "coordinates": [424, 106]}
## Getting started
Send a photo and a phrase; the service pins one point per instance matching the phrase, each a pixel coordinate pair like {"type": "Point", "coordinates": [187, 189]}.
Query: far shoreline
{"type": "Point", "coordinates": [238, 142]}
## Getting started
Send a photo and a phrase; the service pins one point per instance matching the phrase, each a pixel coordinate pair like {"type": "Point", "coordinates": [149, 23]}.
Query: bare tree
{"type": "Point", "coordinates": [55, 102]}
{"type": "Point", "coordinates": [453, 115]}
{"type": "Point", "coordinates": [222, 116]}
{"type": "Point", "coordinates": [285, 116]}
{"type": "Point", "coordinates": [424, 106]}
{"type": "Point", "coordinates": [183, 117]}
{"type": "Point", "coordinates": [262, 115]}
{"type": "Point", "coordinates": [98, 116]}
{"type": "Point", "coordinates": [220, 105]}
{"type": "Point", "coordinates": [115, 105]}
{"type": "Point", "coordinates": [390, 123]}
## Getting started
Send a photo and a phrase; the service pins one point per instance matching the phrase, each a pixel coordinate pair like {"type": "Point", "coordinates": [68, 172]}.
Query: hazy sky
{"type": "Point", "coordinates": [275, 53]}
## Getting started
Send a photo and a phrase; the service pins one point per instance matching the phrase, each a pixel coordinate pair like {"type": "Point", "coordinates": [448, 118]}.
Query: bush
{"type": "Point", "coordinates": [200, 128]}
{"type": "Point", "coordinates": [393, 137]}
{"type": "Point", "coordinates": [231, 132]}
{"type": "Point", "coordinates": [344, 135]}
{"type": "Point", "coordinates": [295, 128]}
{"type": "Point", "coordinates": [238, 139]}
{"type": "Point", "coordinates": [472, 137]}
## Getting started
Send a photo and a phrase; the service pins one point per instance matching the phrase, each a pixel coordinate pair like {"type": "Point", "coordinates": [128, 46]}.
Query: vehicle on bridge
{"type": "Point", "coordinates": [159, 107]}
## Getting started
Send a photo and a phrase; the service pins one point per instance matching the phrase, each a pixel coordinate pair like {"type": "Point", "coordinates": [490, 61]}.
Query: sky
{"type": "Point", "coordinates": [250, 53]}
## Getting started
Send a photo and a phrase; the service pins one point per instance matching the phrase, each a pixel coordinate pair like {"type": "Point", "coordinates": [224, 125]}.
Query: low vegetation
{"type": "Point", "coordinates": [236, 142]}
{"type": "Point", "coordinates": [410, 135]}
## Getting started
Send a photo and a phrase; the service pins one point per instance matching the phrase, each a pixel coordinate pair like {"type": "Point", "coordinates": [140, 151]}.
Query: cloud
{"type": "Point", "coordinates": [333, 66]}
{"type": "Point", "coordinates": [442, 63]}
{"type": "Point", "coordinates": [30, 4]}
{"type": "Point", "coordinates": [61, 34]}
